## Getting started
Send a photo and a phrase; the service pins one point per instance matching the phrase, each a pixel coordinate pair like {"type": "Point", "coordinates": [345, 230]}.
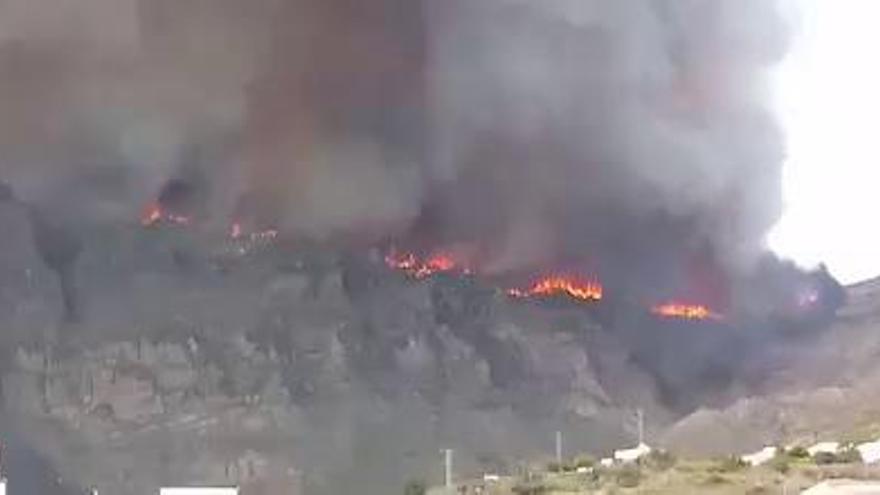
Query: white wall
{"type": "Point", "coordinates": [194, 491]}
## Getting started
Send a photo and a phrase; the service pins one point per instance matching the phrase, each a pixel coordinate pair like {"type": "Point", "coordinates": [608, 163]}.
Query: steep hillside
{"type": "Point", "coordinates": [306, 367]}
{"type": "Point", "coordinates": [296, 367]}
{"type": "Point", "coordinates": [818, 385]}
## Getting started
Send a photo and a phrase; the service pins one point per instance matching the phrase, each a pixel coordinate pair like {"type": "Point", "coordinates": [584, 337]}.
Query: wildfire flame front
{"type": "Point", "coordinates": [552, 286]}
{"type": "Point", "coordinates": [420, 269]}
{"type": "Point", "coordinates": [576, 287]}
{"type": "Point", "coordinates": [685, 311]}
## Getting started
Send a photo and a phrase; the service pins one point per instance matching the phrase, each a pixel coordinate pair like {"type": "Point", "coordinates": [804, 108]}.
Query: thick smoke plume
{"type": "Point", "coordinates": [630, 139]}
{"type": "Point", "coordinates": [532, 132]}
{"type": "Point", "coordinates": [601, 126]}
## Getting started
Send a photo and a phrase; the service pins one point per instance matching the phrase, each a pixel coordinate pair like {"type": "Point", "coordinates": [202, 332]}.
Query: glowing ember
{"type": "Point", "coordinates": [685, 311]}
{"type": "Point", "coordinates": [401, 261]}
{"type": "Point", "coordinates": [553, 286]}
{"type": "Point", "coordinates": [435, 264]}
{"type": "Point", "coordinates": [154, 214]}
{"type": "Point", "coordinates": [409, 263]}
{"type": "Point", "coordinates": [235, 230]}
{"type": "Point", "coordinates": [808, 298]}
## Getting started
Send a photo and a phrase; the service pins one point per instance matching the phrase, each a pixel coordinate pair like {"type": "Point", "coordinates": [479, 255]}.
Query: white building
{"type": "Point", "coordinates": [760, 457]}
{"type": "Point", "coordinates": [198, 491]}
{"type": "Point", "coordinates": [2, 486]}
{"type": "Point", "coordinates": [632, 455]}
{"type": "Point", "coordinates": [824, 448]}
{"type": "Point", "coordinates": [870, 452]}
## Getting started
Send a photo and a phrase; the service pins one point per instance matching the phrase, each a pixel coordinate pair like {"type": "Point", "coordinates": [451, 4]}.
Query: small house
{"type": "Point", "coordinates": [760, 457]}
{"type": "Point", "coordinates": [824, 448]}
{"type": "Point", "coordinates": [632, 455]}
{"type": "Point", "coordinates": [870, 452]}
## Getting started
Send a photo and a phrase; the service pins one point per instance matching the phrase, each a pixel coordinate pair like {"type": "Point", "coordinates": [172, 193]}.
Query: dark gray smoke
{"type": "Point", "coordinates": [631, 137]}
{"type": "Point", "coordinates": [102, 102]}
{"type": "Point", "coordinates": [600, 126]}
{"type": "Point", "coordinates": [537, 131]}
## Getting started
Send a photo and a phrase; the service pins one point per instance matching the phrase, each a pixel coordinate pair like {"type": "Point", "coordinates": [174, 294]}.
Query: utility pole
{"type": "Point", "coordinates": [559, 449]}
{"type": "Point", "coordinates": [2, 479]}
{"type": "Point", "coordinates": [448, 468]}
{"type": "Point", "coordinates": [640, 415]}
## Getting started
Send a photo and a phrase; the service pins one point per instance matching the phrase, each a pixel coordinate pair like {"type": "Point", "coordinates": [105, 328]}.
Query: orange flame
{"type": "Point", "coordinates": [235, 230]}
{"type": "Point", "coordinates": [409, 263]}
{"type": "Point", "coordinates": [154, 214]}
{"type": "Point", "coordinates": [569, 285]}
{"type": "Point", "coordinates": [685, 311]}
{"type": "Point", "coordinates": [558, 285]}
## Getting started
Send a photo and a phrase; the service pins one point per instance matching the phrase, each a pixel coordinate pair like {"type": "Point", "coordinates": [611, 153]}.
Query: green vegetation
{"type": "Point", "coordinates": [758, 490]}
{"type": "Point", "coordinates": [717, 479]}
{"type": "Point", "coordinates": [731, 464]}
{"type": "Point", "coordinates": [659, 460]}
{"type": "Point", "coordinates": [662, 473]}
{"type": "Point", "coordinates": [531, 488]}
{"type": "Point", "coordinates": [629, 476]}
{"type": "Point", "coordinates": [846, 456]}
{"type": "Point", "coordinates": [584, 461]}
{"type": "Point", "coordinates": [849, 456]}
{"type": "Point", "coordinates": [781, 464]}
{"type": "Point", "coordinates": [798, 453]}
{"type": "Point", "coordinates": [415, 488]}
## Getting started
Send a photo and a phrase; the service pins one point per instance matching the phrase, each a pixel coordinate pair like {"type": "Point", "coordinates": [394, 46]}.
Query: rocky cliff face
{"type": "Point", "coordinates": [294, 369]}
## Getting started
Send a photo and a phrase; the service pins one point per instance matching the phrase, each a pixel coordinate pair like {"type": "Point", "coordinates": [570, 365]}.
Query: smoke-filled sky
{"type": "Point", "coordinates": [536, 130]}
{"type": "Point", "coordinates": [828, 95]}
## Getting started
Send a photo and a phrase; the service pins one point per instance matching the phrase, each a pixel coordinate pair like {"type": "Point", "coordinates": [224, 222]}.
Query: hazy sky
{"type": "Point", "coordinates": [829, 97]}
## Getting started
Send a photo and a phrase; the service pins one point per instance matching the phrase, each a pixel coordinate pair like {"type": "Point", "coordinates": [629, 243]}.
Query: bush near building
{"type": "Point", "coordinates": [415, 488]}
